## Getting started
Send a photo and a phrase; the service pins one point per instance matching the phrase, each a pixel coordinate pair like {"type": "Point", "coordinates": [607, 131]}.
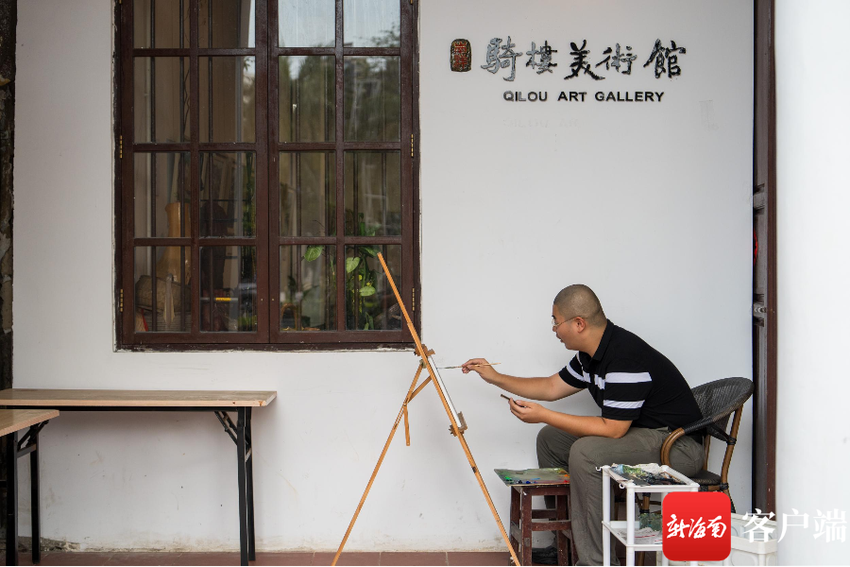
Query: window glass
{"type": "Point", "coordinates": [372, 194]}
{"type": "Point", "coordinates": [171, 311]}
{"type": "Point", "coordinates": [227, 99]}
{"type": "Point", "coordinates": [370, 303]}
{"type": "Point", "coordinates": [307, 194]}
{"type": "Point", "coordinates": [307, 99]}
{"type": "Point", "coordinates": [161, 109]}
{"type": "Point", "coordinates": [372, 23]}
{"type": "Point", "coordinates": [162, 181]}
{"type": "Point", "coordinates": [226, 23]}
{"type": "Point", "coordinates": [306, 23]}
{"type": "Point", "coordinates": [228, 194]}
{"type": "Point", "coordinates": [372, 99]}
{"type": "Point", "coordinates": [161, 23]}
{"type": "Point", "coordinates": [307, 288]}
{"type": "Point", "coordinates": [228, 288]}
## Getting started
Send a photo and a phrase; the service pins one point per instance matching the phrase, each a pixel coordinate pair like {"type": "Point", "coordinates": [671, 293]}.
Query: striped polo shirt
{"type": "Point", "coordinates": [631, 381]}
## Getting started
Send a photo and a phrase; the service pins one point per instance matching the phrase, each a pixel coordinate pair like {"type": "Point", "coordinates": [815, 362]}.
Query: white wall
{"type": "Point", "coordinates": [647, 203]}
{"type": "Point", "coordinates": [812, 201]}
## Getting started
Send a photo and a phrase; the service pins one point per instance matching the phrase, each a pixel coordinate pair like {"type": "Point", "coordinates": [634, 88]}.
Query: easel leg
{"type": "Point", "coordinates": [487, 496]}
{"type": "Point", "coordinates": [401, 413]}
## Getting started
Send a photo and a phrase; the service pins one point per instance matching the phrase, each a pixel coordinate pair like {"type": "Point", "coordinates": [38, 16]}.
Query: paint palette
{"type": "Point", "coordinates": [533, 476]}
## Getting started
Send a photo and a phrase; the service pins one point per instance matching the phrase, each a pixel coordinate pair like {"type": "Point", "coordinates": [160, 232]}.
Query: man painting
{"type": "Point", "coordinates": [641, 394]}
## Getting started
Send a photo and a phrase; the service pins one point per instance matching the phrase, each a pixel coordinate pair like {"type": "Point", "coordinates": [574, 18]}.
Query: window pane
{"type": "Point", "coordinates": [369, 300]}
{"type": "Point", "coordinates": [227, 99]}
{"type": "Point", "coordinates": [172, 312]}
{"type": "Point", "coordinates": [372, 99]}
{"type": "Point", "coordinates": [371, 23]}
{"type": "Point", "coordinates": [307, 99]}
{"type": "Point", "coordinates": [307, 194]}
{"type": "Point", "coordinates": [372, 194]}
{"type": "Point", "coordinates": [307, 288]}
{"type": "Point", "coordinates": [228, 288]}
{"type": "Point", "coordinates": [226, 23]}
{"type": "Point", "coordinates": [228, 194]}
{"type": "Point", "coordinates": [161, 110]}
{"type": "Point", "coordinates": [161, 182]}
{"type": "Point", "coordinates": [306, 23]}
{"type": "Point", "coordinates": [161, 23]}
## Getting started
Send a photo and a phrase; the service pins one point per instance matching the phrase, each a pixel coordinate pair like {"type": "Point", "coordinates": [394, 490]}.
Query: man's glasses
{"type": "Point", "coordinates": [555, 324]}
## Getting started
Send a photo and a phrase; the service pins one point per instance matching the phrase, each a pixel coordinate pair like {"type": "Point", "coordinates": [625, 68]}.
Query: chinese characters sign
{"type": "Point", "coordinates": [581, 65]}
{"type": "Point", "coordinates": [582, 61]}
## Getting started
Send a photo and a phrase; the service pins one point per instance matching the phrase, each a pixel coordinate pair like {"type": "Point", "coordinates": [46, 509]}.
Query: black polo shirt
{"type": "Point", "coordinates": [631, 381]}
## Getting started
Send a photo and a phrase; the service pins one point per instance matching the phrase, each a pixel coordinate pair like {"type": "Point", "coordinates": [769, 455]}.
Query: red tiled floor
{"type": "Point", "coordinates": [150, 558]}
{"type": "Point", "coordinates": [24, 557]}
{"type": "Point", "coordinates": [500, 558]}
{"type": "Point", "coordinates": [70, 558]}
{"type": "Point", "coordinates": [220, 558]}
{"type": "Point", "coordinates": [306, 558]}
{"type": "Point", "coordinates": [288, 558]}
{"type": "Point", "coordinates": [348, 558]}
{"type": "Point", "coordinates": [413, 558]}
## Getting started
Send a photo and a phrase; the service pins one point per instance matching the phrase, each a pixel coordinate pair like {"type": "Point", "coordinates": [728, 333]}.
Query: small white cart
{"type": "Point", "coordinates": [625, 530]}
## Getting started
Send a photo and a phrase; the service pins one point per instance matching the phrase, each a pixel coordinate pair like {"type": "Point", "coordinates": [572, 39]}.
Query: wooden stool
{"type": "Point", "coordinates": [523, 522]}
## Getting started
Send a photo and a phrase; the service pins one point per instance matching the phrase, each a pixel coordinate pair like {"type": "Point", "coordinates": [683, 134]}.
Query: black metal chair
{"type": "Point", "coordinates": [717, 401]}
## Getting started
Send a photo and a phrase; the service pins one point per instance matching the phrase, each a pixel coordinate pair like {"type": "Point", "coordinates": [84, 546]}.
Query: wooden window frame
{"type": "Point", "coordinates": [266, 147]}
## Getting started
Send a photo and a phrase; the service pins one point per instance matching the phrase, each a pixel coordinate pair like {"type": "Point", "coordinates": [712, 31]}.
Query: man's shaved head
{"type": "Point", "coordinates": [578, 300]}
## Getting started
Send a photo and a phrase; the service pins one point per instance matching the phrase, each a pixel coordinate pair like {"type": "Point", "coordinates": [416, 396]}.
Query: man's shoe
{"type": "Point", "coordinates": [545, 555]}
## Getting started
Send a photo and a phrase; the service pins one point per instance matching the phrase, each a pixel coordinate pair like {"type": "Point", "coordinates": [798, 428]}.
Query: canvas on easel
{"type": "Point", "coordinates": [457, 423]}
{"type": "Point", "coordinates": [458, 416]}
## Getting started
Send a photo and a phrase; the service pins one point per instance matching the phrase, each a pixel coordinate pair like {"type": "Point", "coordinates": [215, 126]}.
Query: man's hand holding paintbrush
{"type": "Point", "coordinates": [533, 388]}
{"type": "Point", "coordinates": [482, 367]}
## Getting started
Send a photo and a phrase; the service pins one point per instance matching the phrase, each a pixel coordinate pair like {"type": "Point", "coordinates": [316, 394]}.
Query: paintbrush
{"type": "Point", "coordinates": [470, 366]}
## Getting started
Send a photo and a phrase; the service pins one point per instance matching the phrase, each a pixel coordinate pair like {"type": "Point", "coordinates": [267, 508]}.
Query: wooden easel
{"type": "Point", "coordinates": [456, 429]}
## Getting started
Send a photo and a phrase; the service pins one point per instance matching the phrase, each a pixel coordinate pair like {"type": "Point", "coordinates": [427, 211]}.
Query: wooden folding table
{"type": "Point", "coordinates": [217, 401]}
{"type": "Point", "coordinates": [12, 421]}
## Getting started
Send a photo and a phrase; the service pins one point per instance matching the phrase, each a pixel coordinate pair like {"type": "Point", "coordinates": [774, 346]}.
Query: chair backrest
{"type": "Point", "coordinates": [717, 401]}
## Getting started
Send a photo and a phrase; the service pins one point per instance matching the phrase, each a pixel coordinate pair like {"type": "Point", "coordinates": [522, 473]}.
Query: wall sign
{"type": "Point", "coordinates": [583, 65]}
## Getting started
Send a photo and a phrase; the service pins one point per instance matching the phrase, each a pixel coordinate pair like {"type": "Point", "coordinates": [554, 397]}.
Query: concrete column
{"type": "Point", "coordinates": [813, 202]}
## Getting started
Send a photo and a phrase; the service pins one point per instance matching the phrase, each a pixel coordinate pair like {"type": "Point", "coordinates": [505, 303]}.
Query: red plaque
{"type": "Point", "coordinates": [696, 526]}
{"type": "Point", "coordinates": [461, 56]}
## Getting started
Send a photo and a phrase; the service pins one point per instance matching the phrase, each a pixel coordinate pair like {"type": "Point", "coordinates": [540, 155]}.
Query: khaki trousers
{"type": "Point", "coordinates": [580, 456]}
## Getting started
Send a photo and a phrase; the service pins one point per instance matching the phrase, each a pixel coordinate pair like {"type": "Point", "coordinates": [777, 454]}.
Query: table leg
{"type": "Point", "coordinates": [514, 521]}
{"type": "Point", "coordinates": [12, 499]}
{"type": "Point", "coordinates": [560, 537]}
{"type": "Point", "coordinates": [242, 481]}
{"type": "Point", "coordinates": [252, 550]}
{"type": "Point", "coordinates": [35, 499]}
{"type": "Point", "coordinates": [526, 534]}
